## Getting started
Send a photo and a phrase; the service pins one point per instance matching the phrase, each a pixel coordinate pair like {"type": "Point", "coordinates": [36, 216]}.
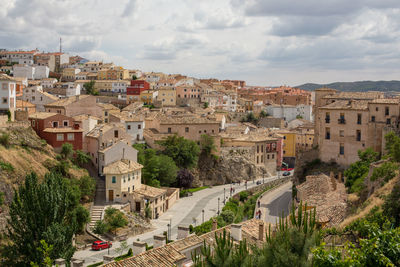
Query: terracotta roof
{"type": "Point", "coordinates": [158, 257]}
{"type": "Point", "coordinates": [82, 117]}
{"type": "Point", "coordinates": [5, 77]}
{"type": "Point", "coordinates": [122, 166]}
{"type": "Point", "coordinates": [128, 116]}
{"type": "Point", "coordinates": [348, 104]}
{"type": "Point", "coordinates": [95, 132]}
{"type": "Point", "coordinates": [67, 101]}
{"type": "Point", "coordinates": [42, 115]}
{"type": "Point", "coordinates": [107, 106]}
{"type": "Point", "coordinates": [385, 101]}
{"type": "Point", "coordinates": [189, 241]}
{"type": "Point", "coordinates": [150, 191]}
{"type": "Point", "coordinates": [187, 120]}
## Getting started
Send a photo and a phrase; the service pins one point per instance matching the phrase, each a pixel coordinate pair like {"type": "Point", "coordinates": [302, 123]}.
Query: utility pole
{"type": "Point", "coordinates": [60, 45]}
{"type": "Point", "coordinates": [224, 196]}
{"type": "Point", "coordinates": [203, 214]}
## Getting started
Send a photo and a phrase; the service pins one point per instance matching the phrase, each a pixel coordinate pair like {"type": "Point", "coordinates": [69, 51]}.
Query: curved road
{"type": "Point", "coordinates": [185, 211]}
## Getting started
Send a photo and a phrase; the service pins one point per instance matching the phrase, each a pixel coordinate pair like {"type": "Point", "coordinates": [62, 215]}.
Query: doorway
{"type": "Point", "coordinates": [110, 195]}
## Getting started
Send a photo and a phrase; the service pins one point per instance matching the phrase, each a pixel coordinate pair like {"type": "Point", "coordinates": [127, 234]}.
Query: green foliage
{"type": "Point", "coordinates": [81, 216]}
{"type": "Point", "coordinates": [393, 145]}
{"type": "Point", "coordinates": [47, 211]}
{"type": "Point", "coordinates": [249, 118]}
{"type": "Point", "coordinates": [5, 166]}
{"type": "Point", "coordinates": [115, 219]}
{"type": "Point", "coordinates": [184, 152]}
{"type": "Point", "coordinates": [243, 195]}
{"type": "Point", "coordinates": [134, 77]}
{"type": "Point", "coordinates": [122, 247]}
{"type": "Point", "coordinates": [184, 192]}
{"type": "Point", "coordinates": [96, 264]}
{"type": "Point", "coordinates": [263, 114]}
{"type": "Point", "coordinates": [89, 88]}
{"type": "Point", "coordinates": [161, 168]}
{"type": "Point", "coordinates": [45, 250]}
{"type": "Point", "coordinates": [66, 150]}
{"type": "Point", "coordinates": [5, 140]}
{"type": "Point", "coordinates": [207, 144]}
{"type": "Point", "coordinates": [391, 207]}
{"type": "Point", "coordinates": [141, 152]}
{"type": "Point", "coordinates": [100, 227]}
{"type": "Point", "coordinates": [385, 171]}
{"type": "Point", "coordinates": [61, 168]}
{"type": "Point", "coordinates": [227, 216]}
{"type": "Point", "coordinates": [205, 105]}
{"type": "Point", "coordinates": [358, 170]}
{"type": "Point", "coordinates": [147, 211]}
{"type": "Point", "coordinates": [299, 117]}
{"type": "Point", "coordinates": [81, 157]}
{"type": "Point", "coordinates": [8, 115]}
{"type": "Point", "coordinates": [127, 255]}
{"type": "Point", "coordinates": [1, 198]}
{"type": "Point", "coordinates": [87, 186]}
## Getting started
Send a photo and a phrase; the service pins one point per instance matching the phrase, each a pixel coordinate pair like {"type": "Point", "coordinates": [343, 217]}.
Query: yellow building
{"type": "Point", "coordinates": [167, 96]}
{"type": "Point", "coordinates": [148, 96]}
{"type": "Point", "coordinates": [115, 73]}
{"type": "Point", "coordinates": [289, 143]}
{"type": "Point", "coordinates": [69, 74]}
{"type": "Point", "coordinates": [103, 85]}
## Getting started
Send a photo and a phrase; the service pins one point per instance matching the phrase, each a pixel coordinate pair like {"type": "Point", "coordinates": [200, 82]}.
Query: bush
{"type": "Point", "coordinates": [184, 178]}
{"type": "Point", "coordinates": [243, 195]}
{"type": "Point", "coordinates": [66, 150]}
{"type": "Point", "coordinates": [5, 140]}
{"type": "Point", "coordinates": [100, 227]}
{"type": "Point", "coordinates": [227, 216]}
{"type": "Point", "coordinates": [87, 186]}
{"type": "Point", "coordinates": [385, 171]}
{"type": "Point", "coordinates": [6, 166]}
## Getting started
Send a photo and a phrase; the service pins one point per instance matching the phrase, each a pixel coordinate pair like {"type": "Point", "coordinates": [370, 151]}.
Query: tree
{"type": "Point", "coordinates": [115, 219]}
{"type": "Point", "coordinates": [122, 247]}
{"type": "Point", "coordinates": [87, 186]}
{"type": "Point", "coordinates": [184, 152]}
{"type": "Point", "coordinates": [1, 198]}
{"type": "Point", "coordinates": [263, 114]}
{"type": "Point", "coordinates": [89, 88]}
{"type": "Point", "coordinates": [207, 144]}
{"type": "Point", "coordinates": [42, 211]}
{"type": "Point", "coordinates": [134, 77]}
{"type": "Point", "coordinates": [161, 168]}
{"type": "Point", "coordinates": [227, 216]}
{"type": "Point", "coordinates": [184, 178]}
{"type": "Point", "coordinates": [81, 157]}
{"type": "Point", "coordinates": [45, 250]}
{"type": "Point", "coordinates": [66, 150]}
{"type": "Point", "coordinates": [100, 227]}
{"type": "Point", "coordinates": [391, 207]}
{"type": "Point", "coordinates": [205, 105]}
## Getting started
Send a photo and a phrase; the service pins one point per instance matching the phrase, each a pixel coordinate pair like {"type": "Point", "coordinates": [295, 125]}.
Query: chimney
{"type": "Point", "coordinates": [138, 247]}
{"type": "Point", "coordinates": [236, 231]}
{"type": "Point", "coordinates": [214, 225]}
{"type": "Point", "coordinates": [108, 259]}
{"type": "Point", "coordinates": [261, 231]}
{"type": "Point", "coordinates": [183, 231]}
{"type": "Point", "coordinates": [59, 262]}
{"type": "Point", "coordinates": [159, 241]}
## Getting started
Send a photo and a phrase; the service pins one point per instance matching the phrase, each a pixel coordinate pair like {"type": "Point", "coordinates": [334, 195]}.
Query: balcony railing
{"type": "Point", "coordinates": [327, 120]}
{"type": "Point", "coordinates": [341, 121]}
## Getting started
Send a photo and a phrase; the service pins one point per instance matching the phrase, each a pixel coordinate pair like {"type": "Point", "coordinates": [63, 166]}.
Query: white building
{"type": "Point", "coordinates": [229, 102]}
{"type": "Point", "coordinates": [7, 94]}
{"type": "Point", "coordinates": [36, 96]}
{"type": "Point", "coordinates": [48, 82]}
{"type": "Point", "coordinates": [31, 72]}
{"type": "Point", "coordinates": [20, 57]}
{"type": "Point", "coordinates": [120, 86]}
{"type": "Point", "coordinates": [289, 113]}
{"type": "Point", "coordinates": [72, 89]}
{"type": "Point", "coordinates": [134, 124]}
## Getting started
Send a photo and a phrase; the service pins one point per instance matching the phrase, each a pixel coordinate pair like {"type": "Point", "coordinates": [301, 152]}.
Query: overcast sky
{"type": "Point", "coordinates": [265, 42]}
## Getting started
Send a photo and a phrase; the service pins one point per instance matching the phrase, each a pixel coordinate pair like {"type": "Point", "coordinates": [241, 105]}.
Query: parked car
{"type": "Point", "coordinates": [99, 245]}
{"type": "Point", "coordinates": [286, 174]}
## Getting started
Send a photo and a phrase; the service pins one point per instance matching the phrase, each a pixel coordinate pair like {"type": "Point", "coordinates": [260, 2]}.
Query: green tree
{"type": "Point", "coordinates": [81, 157]}
{"type": "Point", "coordinates": [227, 216]}
{"type": "Point", "coordinates": [42, 211]}
{"type": "Point", "coordinates": [115, 219]}
{"type": "Point", "coordinates": [45, 250]}
{"type": "Point", "coordinates": [66, 150]}
{"type": "Point", "coordinates": [87, 186]}
{"type": "Point", "coordinates": [122, 247]}
{"type": "Point", "coordinates": [184, 152]}
{"type": "Point", "coordinates": [391, 207]}
{"type": "Point", "coordinates": [207, 144]}
{"type": "Point", "coordinates": [100, 227]}
{"type": "Point", "coordinates": [263, 114]}
{"type": "Point", "coordinates": [161, 168]}
{"type": "Point", "coordinates": [205, 105]}
{"type": "Point", "coordinates": [89, 88]}
{"type": "Point", "coordinates": [134, 77]}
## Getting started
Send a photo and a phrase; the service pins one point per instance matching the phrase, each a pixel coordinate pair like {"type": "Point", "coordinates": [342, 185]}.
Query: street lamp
{"type": "Point", "coordinates": [224, 196]}
{"type": "Point", "coordinates": [168, 232]}
{"type": "Point", "coordinates": [203, 214]}
{"type": "Point", "coordinates": [218, 207]}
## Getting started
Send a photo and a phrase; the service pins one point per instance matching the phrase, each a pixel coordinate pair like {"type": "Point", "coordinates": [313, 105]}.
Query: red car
{"type": "Point", "coordinates": [99, 245]}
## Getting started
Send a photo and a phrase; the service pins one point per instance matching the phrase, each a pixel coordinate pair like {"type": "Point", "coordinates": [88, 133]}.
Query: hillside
{"type": "Point", "coordinates": [359, 86]}
{"type": "Point", "coordinates": [23, 153]}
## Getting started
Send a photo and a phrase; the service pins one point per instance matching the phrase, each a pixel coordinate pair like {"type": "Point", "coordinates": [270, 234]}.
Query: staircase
{"type": "Point", "coordinates": [95, 215]}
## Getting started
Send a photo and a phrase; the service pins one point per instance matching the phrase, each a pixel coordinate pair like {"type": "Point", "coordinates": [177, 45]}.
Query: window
{"type": "Point", "coordinates": [341, 133]}
{"type": "Point", "coordinates": [388, 121]}
{"type": "Point", "coordinates": [327, 117]}
{"type": "Point", "coordinates": [33, 98]}
{"type": "Point", "coordinates": [273, 156]}
{"type": "Point", "coordinates": [327, 133]}
{"type": "Point", "coordinates": [377, 109]}
{"type": "Point", "coordinates": [341, 119]}
{"type": "Point", "coordinates": [60, 137]}
{"type": "Point", "coordinates": [258, 149]}
{"type": "Point", "coordinates": [186, 129]}
{"type": "Point", "coordinates": [105, 113]}
{"type": "Point", "coordinates": [262, 159]}
{"type": "Point", "coordinates": [262, 148]}
{"type": "Point", "coordinates": [359, 118]}
{"type": "Point", "coordinates": [114, 180]}
{"type": "Point", "coordinates": [116, 133]}
{"type": "Point", "coordinates": [267, 156]}
{"type": "Point", "coordinates": [341, 149]}
{"type": "Point", "coordinates": [139, 126]}
{"type": "Point", "coordinates": [358, 134]}
{"type": "Point", "coordinates": [386, 111]}
{"type": "Point", "coordinates": [257, 159]}
{"type": "Point", "coordinates": [284, 137]}
{"type": "Point", "coordinates": [33, 122]}
{"type": "Point", "coordinates": [5, 100]}
{"type": "Point", "coordinates": [373, 118]}
{"type": "Point", "coordinates": [70, 137]}
{"type": "Point", "coordinates": [65, 123]}
{"type": "Point", "coordinates": [169, 130]}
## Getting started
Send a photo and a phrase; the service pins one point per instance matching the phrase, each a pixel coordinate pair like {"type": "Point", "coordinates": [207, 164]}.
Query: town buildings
{"type": "Point", "coordinates": [350, 121]}
{"type": "Point", "coordinates": [289, 113]}
{"type": "Point", "coordinates": [7, 94]}
{"type": "Point", "coordinates": [36, 96]}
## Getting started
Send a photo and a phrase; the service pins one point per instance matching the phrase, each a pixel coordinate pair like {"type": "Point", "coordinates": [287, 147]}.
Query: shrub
{"type": "Point", "coordinates": [100, 227]}
{"type": "Point", "coordinates": [66, 150]}
{"type": "Point", "coordinates": [5, 140]}
{"type": "Point", "coordinates": [185, 178]}
{"type": "Point", "coordinates": [243, 195]}
{"type": "Point", "coordinates": [385, 171]}
{"type": "Point", "coordinates": [6, 166]}
{"type": "Point", "coordinates": [227, 216]}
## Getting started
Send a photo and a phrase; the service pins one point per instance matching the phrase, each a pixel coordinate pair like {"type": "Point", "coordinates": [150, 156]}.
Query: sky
{"type": "Point", "coordinates": [264, 42]}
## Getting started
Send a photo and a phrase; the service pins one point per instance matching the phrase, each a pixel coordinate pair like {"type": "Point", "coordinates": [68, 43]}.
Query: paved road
{"type": "Point", "coordinates": [275, 202]}
{"type": "Point", "coordinates": [186, 211]}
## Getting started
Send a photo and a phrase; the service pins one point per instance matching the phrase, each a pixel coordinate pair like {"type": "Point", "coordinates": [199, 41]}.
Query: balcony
{"type": "Point", "coordinates": [327, 120]}
{"type": "Point", "coordinates": [341, 121]}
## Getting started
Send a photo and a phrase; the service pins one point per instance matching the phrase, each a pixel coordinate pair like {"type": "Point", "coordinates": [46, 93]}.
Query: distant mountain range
{"type": "Point", "coordinates": [361, 86]}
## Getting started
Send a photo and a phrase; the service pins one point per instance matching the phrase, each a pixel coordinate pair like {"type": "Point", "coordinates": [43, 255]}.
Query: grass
{"type": "Point", "coordinates": [95, 264]}
{"type": "Point", "coordinates": [6, 166]}
{"type": "Point", "coordinates": [184, 192]}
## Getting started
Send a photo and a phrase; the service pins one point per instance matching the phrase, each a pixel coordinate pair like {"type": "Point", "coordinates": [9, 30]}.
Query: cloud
{"type": "Point", "coordinates": [129, 8]}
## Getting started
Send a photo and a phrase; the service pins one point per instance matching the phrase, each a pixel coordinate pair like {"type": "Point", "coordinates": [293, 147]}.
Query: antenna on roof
{"type": "Point", "coordinates": [60, 46]}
